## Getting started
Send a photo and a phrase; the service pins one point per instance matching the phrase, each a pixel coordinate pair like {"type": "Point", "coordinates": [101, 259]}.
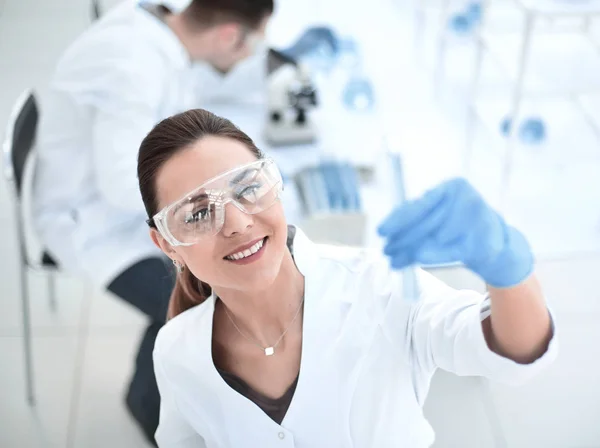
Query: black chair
{"type": "Point", "coordinates": [18, 147]}
{"type": "Point", "coordinates": [96, 13]}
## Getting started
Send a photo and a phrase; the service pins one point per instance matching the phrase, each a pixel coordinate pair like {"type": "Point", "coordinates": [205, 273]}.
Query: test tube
{"type": "Point", "coordinates": [410, 284]}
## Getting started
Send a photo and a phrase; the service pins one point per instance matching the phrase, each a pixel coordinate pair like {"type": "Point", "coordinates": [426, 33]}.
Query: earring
{"type": "Point", "coordinates": [178, 266]}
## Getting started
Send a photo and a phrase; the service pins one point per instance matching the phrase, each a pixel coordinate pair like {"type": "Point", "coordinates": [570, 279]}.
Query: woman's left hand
{"type": "Point", "coordinates": [453, 223]}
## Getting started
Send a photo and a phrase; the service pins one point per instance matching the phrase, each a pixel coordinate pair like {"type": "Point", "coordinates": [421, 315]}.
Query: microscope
{"type": "Point", "coordinates": [291, 96]}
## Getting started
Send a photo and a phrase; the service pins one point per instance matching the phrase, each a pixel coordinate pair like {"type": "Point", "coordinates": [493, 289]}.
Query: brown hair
{"type": "Point", "coordinates": [166, 139]}
{"type": "Point", "coordinates": [212, 12]}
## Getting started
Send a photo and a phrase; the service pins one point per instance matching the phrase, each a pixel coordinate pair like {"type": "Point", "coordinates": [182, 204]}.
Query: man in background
{"type": "Point", "coordinates": [138, 64]}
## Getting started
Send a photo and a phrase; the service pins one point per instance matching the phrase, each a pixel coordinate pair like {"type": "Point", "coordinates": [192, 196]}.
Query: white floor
{"type": "Point", "coordinates": [84, 350]}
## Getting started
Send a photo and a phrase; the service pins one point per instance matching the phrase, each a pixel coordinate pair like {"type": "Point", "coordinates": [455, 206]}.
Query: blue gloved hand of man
{"type": "Point", "coordinates": [452, 223]}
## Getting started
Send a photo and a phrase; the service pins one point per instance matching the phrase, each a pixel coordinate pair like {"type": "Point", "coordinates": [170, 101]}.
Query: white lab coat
{"type": "Point", "coordinates": [123, 75]}
{"type": "Point", "coordinates": [367, 360]}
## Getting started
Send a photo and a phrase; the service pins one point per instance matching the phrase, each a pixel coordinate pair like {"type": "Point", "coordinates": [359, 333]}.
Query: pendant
{"type": "Point", "coordinates": [269, 351]}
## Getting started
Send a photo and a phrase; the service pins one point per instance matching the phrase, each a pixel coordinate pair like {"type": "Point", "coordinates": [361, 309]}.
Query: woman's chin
{"type": "Point", "coordinates": [259, 280]}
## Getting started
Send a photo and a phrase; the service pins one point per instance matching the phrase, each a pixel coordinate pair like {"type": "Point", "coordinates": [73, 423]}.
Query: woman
{"type": "Point", "coordinates": [275, 341]}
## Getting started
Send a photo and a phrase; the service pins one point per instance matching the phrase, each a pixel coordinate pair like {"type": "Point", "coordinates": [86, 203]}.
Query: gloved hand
{"type": "Point", "coordinates": [453, 223]}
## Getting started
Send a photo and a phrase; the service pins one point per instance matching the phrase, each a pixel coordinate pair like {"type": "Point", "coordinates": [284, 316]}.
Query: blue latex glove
{"type": "Point", "coordinates": [452, 223]}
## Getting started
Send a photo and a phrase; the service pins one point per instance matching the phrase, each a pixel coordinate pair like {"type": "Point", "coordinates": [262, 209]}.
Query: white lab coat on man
{"type": "Point", "coordinates": [367, 360]}
{"type": "Point", "coordinates": [121, 77]}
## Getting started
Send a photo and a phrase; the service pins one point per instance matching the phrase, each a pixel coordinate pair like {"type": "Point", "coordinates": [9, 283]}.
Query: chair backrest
{"type": "Point", "coordinates": [20, 138]}
{"type": "Point", "coordinates": [96, 13]}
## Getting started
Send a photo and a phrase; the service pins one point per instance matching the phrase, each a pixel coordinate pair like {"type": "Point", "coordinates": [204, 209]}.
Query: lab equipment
{"type": "Point", "coordinates": [464, 22]}
{"type": "Point", "coordinates": [337, 197]}
{"type": "Point", "coordinates": [318, 47]}
{"type": "Point", "coordinates": [291, 94]}
{"type": "Point", "coordinates": [252, 188]}
{"type": "Point", "coordinates": [350, 183]}
{"type": "Point", "coordinates": [358, 93]}
{"type": "Point", "coordinates": [332, 208]}
{"type": "Point", "coordinates": [505, 126]}
{"type": "Point", "coordinates": [349, 52]}
{"type": "Point", "coordinates": [474, 12]}
{"type": "Point", "coordinates": [315, 178]}
{"type": "Point", "coordinates": [452, 223]}
{"type": "Point", "coordinates": [492, 40]}
{"type": "Point", "coordinates": [410, 284]}
{"type": "Point", "coordinates": [461, 24]}
{"type": "Point", "coordinates": [531, 131]}
{"type": "Point", "coordinates": [342, 185]}
{"type": "Point", "coordinates": [330, 187]}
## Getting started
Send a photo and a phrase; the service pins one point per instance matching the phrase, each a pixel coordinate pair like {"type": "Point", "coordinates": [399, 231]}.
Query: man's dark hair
{"type": "Point", "coordinates": [213, 12]}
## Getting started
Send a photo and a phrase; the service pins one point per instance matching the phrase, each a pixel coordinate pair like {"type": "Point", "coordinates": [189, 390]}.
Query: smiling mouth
{"type": "Point", "coordinates": [248, 253]}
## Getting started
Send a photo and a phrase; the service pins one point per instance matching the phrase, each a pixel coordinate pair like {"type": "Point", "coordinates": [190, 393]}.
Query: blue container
{"type": "Point", "coordinates": [349, 53]}
{"type": "Point", "coordinates": [335, 192]}
{"type": "Point", "coordinates": [351, 186]}
{"type": "Point", "coordinates": [318, 46]}
{"type": "Point", "coordinates": [474, 12]}
{"type": "Point", "coordinates": [505, 126]}
{"type": "Point", "coordinates": [532, 130]}
{"type": "Point", "coordinates": [358, 94]}
{"type": "Point", "coordinates": [461, 24]}
{"type": "Point", "coordinates": [465, 22]}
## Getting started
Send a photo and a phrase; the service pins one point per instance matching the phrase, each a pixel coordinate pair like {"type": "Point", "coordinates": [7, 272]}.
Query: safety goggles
{"type": "Point", "coordinates": [252, 188]}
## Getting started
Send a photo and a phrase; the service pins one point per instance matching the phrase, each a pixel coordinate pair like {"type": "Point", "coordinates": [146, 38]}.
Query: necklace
{"type": "Point", "coordinates": [269, 351]}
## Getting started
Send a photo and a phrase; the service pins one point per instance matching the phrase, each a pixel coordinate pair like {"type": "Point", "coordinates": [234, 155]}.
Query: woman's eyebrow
{"type": "Point", "coordinates": [195, 197]}
{"type": "Point", "coordinates": [243, 175]}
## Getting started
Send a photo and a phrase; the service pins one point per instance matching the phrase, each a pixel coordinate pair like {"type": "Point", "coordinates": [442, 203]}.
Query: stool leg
{"type": "Point", "coordinates": [52, 291]}
{"type": "Point", "coordinates": [587, 22]}
{"type": "Point", "coordinates": [28, 354]}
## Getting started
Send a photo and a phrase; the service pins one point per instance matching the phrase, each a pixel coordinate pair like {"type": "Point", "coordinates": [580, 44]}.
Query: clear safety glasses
{"type": "Point", "coordinates": [252, 188]}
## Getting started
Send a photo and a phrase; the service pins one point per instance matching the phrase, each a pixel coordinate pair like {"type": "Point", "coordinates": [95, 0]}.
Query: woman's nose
{"type": "Point", "coordinates": [236, 221]}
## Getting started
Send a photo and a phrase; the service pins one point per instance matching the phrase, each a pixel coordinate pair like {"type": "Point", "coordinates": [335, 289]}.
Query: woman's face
{"type": "Point", "coordinates": [212, 259]}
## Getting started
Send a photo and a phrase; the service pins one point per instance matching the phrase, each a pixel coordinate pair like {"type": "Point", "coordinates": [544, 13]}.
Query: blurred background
{"type": "Point", "coordinates": [508, 99]}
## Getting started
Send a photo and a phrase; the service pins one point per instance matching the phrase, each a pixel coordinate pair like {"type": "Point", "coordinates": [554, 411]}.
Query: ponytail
{"type": "Point", "coordinates": [187, 293]}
